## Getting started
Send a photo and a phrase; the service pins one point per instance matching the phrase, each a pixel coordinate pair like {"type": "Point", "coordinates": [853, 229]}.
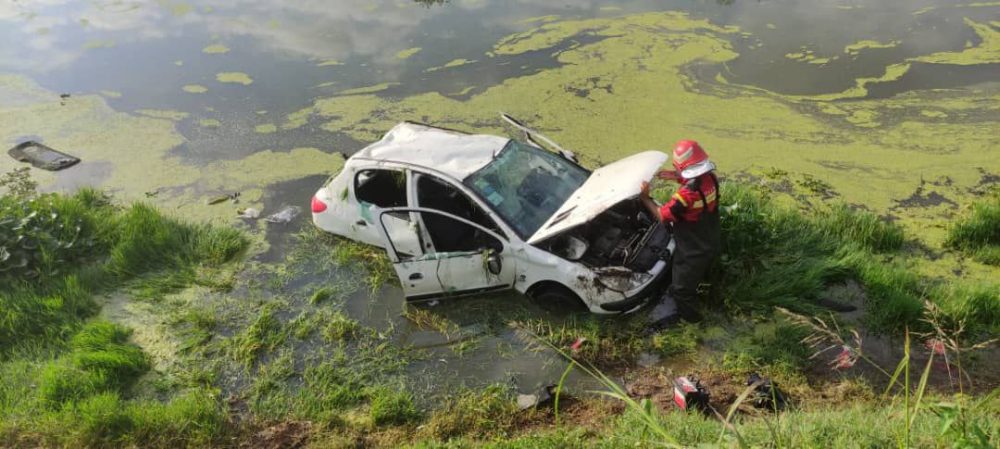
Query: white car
{"type": "Point", "coordinates": [462, 214]}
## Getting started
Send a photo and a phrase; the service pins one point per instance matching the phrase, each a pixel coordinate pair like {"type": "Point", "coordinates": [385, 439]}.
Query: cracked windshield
{"type": "Point", "coordinates": [772, 223]}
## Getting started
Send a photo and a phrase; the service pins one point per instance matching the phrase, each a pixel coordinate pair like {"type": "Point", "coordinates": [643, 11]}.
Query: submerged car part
{"type": "Point", "coordinates": [42, 156]}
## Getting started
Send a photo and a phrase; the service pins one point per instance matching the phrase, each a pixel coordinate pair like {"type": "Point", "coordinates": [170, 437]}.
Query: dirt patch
{"type": "Point", "coordinates": [591, 412]}
{"type": "Point", "coordinates": [283, 435]}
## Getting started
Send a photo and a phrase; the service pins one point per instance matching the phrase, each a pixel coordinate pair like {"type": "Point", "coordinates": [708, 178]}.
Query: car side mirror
{"type": "Point", "coordinates": [494, 264]}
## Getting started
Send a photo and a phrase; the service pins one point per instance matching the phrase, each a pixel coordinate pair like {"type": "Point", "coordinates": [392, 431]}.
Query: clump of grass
{"type": "Point", "coordinates": [341, 252]}
{"type": "Point", "coordinates": [978, 234]}
{"type": "Point", "coordinates": [264, 334]}
{"type": "Point", "coordinates": [390, 406]}
{"type": "Point", "coordinates": [490, 413]}
{"type": "Point", "coordinates": [859, 227]}
{"type": "Point", "coordinates": [677, 340]}
{"type": "Point", "coordinates": [340, 327]}
{"type": "Point", "coordinates": [976, 304]}
{"type": "Point", "coordinates": [774, 348]}
{"type": "Point", "coordinates": [57, 250]}
{"type": "Point", "coordinates": [425, 319]}
{"type": "Point", "coordinates": [773, 256]}
{"type": "Point", "coordinates": [603, 342]}
{"type": "Point", "coordinates": [101, 360]}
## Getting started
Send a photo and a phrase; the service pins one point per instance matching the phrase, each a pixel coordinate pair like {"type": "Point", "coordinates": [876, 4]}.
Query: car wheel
{"type": "Point", "coordinates": [557, 298]}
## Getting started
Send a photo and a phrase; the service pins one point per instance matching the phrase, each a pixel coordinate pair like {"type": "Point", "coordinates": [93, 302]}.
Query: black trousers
{"type": "Point", "coordinates": [698, 244]}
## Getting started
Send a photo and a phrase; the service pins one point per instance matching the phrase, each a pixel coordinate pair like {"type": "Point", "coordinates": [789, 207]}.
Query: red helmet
{"type": "Point", "coordinates": [690, 160]}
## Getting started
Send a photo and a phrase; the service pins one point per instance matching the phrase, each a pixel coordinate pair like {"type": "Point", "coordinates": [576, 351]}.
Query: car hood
{"type": "Point", "coordinates": [606, 186]}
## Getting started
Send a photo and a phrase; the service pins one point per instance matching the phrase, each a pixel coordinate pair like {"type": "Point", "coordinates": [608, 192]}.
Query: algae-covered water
{"type": "Point", "coordinates": [891, 105]}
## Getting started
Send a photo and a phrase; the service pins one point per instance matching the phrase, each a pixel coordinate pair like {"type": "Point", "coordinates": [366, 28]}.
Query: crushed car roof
{"type": "Point", "coordinates": [451, 152]}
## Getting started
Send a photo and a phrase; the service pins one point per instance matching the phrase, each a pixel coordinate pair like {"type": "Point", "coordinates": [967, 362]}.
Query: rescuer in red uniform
{"type": "Point", "coordinates": [694, 212]}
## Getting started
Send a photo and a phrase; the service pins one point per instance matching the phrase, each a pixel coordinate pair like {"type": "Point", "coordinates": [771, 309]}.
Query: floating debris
{"type": "Point", "coordinates": [284, 215]}
{"type": "Point", "coordinates": [249, 213]}
{"type": "Point", "coordinates": [42, 156]}
{"type": "Point", "coordinates": [234, 197]}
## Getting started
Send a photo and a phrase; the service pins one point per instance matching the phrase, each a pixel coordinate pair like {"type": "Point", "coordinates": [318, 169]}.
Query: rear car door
{"type": "Point", "coordinates": [464, 257]}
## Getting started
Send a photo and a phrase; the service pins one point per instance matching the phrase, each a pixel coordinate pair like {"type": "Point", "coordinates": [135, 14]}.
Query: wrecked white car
{"type": "Point", "coordinates": [462, 214]}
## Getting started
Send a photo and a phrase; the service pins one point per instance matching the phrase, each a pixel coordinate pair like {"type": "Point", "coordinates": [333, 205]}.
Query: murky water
{"type": "Point", "coordinates": [172, 101]}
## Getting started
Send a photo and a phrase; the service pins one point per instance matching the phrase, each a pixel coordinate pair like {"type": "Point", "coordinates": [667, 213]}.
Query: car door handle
{"type": "Point", "coordinates": [416, 276]}
{"type": "Point", "coordinates": [361, 223]}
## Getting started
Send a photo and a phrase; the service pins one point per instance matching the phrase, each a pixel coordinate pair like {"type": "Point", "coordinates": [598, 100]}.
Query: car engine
{"type": "Point", "coordinates": [623, 235]}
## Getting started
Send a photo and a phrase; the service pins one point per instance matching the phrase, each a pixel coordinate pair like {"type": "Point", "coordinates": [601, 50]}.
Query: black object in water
{"type": "Point", "coordinates": [41, 156]}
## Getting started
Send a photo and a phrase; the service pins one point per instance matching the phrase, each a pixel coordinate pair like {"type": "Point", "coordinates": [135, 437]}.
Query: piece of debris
{"type": "Point", "coordinates": [234, 197]}
{"type": "Point", "coordinates": [575, 347]}
{"type": "Point", "coordinates": [526, 401]}
{"type": "Point", "coordinates": [41, 156]}
{"type": "Point", "coordinates": [62, 99]}
{"type": "Point", "coordinates": [540, 397]}
{"type": "Point", "coordinates": [153, 193]}
{"type": "Point", "coordinates": [690, 394]}
{"type": "Point", "coordinates": [433, 303]}
{"type": "Point", "coordinates": [766, 394]}
{"type": "Point", "coordinates": [284, 215]}
{"type": "Point", "coordinates": [249, 213]}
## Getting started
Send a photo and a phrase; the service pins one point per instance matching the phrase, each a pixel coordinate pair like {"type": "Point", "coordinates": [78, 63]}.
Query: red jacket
{"type": "Point", "coordinates": [687, 204]}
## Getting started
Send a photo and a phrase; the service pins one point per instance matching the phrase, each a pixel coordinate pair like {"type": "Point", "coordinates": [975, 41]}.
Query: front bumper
{"type": "Point", "coordinates": [639, 298]}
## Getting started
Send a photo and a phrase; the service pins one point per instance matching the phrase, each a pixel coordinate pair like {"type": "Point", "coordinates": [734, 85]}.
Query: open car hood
{"type": "Point", "coordinates": [606, 186]}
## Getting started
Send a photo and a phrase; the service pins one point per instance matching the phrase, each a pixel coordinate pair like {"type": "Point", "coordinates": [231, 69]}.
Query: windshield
{"type": "Point", "coordinates": [526, 185]}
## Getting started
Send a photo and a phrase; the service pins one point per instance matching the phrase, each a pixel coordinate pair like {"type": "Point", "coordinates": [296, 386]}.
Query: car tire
{"type": "Point", "coordinates": [557, 298]}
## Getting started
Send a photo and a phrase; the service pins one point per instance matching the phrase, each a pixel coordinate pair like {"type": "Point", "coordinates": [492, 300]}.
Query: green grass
{"type": "Point", "coordinates": [66, 381]}
{"type": "Point", "coordinates": [265, 333]}
{"type": "Point", "coordinates": [89, 246]}
{"type": "Point", "coordinates": [390, 407]}
{"type": "Point", "coordinates": [773, 349]}
{"type": "Point", "coordinates": [978, 234]}
{"type": "Point", "coordinates": [485, 414]}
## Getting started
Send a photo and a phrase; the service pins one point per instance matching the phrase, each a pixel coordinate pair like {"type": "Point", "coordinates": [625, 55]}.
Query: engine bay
{"type": "Point", "coordinates": [624, 235]}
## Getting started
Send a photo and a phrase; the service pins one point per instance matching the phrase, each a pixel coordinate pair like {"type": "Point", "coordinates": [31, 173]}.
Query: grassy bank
{"type": "Point", "coordinates": [280, 355]}
{"type": "Point", "coordinates": [978, 233]}
{"type": "Point", "coordinates": [67, 380]}
{"type": "Point", "coordinates": [778, 256]}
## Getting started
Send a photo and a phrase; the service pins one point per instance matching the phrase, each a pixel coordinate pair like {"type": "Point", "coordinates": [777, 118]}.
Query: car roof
{"type": "Point", "coordinates": [452, 153]}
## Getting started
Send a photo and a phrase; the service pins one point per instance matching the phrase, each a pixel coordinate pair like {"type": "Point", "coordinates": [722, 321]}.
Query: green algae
{"type": "Point", "coordinates": [215, 49]}
{"type": "Point", "coordinates": [234, 78]}
{"type": "Point", "coordinates": [266, 128]}
{"type": "Point", "coordinates": [328, 63]}
{"type": "Point", "coordinates": [450, 64]}
{"type": "Point", "coordinates": [405, 54]}
{"type": "Point", "coordinates": [857, 47]}
{"type": "Point", "coordinates": [209, 123]}
{"type": "Point", "coordinates": [809, 57]}
{"type": "Point", "coordinates": [99, 135]}
{"type": "Point", "coordinates": [163, 113]}
{"type": "Point", "coordinates": [367, 89]}
{"type": "Point", "coordinates": [987, 52]}
{"type": "Point", "coordinates": [194, 88]}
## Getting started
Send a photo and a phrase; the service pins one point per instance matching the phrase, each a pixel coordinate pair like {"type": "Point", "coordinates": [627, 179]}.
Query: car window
{"type": "Point", "coordinates": [383, 188]}
{"type": "Point", "coordinates": [526, 185]}
{"type": "Point", "coordinates": [450, 235]}
{"type": "Point", "coordinates": [434, 193]}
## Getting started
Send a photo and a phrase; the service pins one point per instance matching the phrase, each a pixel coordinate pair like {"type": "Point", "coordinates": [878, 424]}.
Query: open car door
{"type": "Point", "coordinates": [465, 258]}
